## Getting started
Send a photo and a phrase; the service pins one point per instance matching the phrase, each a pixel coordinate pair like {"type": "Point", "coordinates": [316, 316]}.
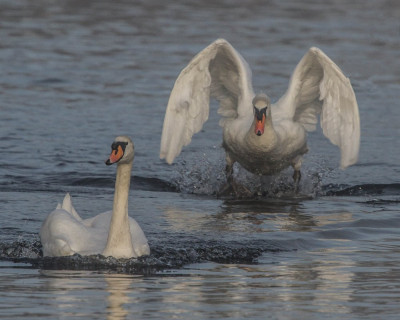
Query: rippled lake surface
{"type": "Point", "coordinates": [76, 74]}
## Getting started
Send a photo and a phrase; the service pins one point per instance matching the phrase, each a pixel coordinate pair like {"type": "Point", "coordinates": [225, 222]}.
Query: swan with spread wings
{"type": "Point", "coordinates": [263, 137]}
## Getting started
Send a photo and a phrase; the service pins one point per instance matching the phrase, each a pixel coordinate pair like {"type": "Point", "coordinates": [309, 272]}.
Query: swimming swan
{"type": "Point", "coordinates": [111, 233]}
{"type": "Point", "coordinates": [262, 137]}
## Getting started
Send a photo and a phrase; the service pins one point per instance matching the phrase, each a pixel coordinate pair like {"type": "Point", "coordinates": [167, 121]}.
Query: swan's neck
{"type": "Point", "coordinates": [119, 243]}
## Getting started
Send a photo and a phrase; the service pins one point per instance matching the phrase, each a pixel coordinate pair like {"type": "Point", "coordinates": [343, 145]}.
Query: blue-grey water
{"type": "Point", "coordinates": [75, 74]}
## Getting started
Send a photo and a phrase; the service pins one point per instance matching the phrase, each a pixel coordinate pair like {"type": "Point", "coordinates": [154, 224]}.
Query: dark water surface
{"type": "Point", "coordinates": [76, 74]}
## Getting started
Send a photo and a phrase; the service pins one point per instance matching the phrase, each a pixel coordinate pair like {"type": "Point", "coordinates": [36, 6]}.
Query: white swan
{"type": "Point", "coordinates": [264, 138]}
{"type": "Point", "coordinates": [111, 233]}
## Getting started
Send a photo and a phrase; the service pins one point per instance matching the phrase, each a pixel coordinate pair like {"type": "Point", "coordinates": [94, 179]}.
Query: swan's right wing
{"type": "Point", "coordinates": [218, 71]}
{"type": "Point", "coordinates": [67, 206]}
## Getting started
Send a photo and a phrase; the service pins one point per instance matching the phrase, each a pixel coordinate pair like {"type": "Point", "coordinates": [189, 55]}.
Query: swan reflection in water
{"type": "Point", "coordinates": [118, 287]}
{"type": "Point", "coordinates": [238, 216]}
{"type": "Point", "coordinates": [71, 290]}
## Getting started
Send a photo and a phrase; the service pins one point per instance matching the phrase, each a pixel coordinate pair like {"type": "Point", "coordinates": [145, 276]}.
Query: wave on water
{"type": "Point", "coordinates": [205, 177]}
{"type": "Point", "coordinates": [363, 190]}
{"type": "Point", "coordinates": [63, 181]}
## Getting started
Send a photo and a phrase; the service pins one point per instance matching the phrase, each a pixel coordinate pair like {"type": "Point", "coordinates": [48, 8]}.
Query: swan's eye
{"type": "Point", "coordinates": [121, 144]}
{"type": "Point", "coordinates": [259, 113]}
{"type": "Point", "coordinates": [264, 110]}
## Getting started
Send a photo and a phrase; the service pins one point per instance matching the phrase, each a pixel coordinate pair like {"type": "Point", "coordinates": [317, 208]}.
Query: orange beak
{"type": "Point", "coordinates": [115, 155]}
{"type": "Point", "coordinates": [259, 127]}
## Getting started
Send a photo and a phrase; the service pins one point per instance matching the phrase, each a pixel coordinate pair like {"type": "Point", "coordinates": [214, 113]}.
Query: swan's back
{"type": "Point", "coordinates": [65, 233]}
{"type": "Point", "coordinates": [61, 233]}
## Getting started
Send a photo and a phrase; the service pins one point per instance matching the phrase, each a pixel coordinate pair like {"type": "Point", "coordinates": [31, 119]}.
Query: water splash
{"type": "Point", "coordinates": [204, 173]}
{"type": "Point", "coordinates": [201, 173]}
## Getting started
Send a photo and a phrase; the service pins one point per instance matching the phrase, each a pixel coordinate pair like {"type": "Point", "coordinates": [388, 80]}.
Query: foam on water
{"type": "Point", "coordinates": [163, 256]}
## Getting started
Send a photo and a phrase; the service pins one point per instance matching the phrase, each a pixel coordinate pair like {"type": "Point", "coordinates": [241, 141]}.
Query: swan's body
{"type": "Point", "coordinates": [264, 138]}
{"type": "Point", "coordinates": [111, 233]}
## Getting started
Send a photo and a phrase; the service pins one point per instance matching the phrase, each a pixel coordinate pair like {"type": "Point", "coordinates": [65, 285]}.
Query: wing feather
{"type": "Point", "coordinates": [318, 87]}
{"type": "Point", "coordinates": [218, 71]}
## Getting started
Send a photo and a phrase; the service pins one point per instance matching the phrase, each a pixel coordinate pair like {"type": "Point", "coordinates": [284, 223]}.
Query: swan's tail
{"type": "Point", "coordinates": [67, 206]}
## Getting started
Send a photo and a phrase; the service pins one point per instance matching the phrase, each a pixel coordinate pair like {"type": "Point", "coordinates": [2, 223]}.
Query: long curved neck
{"type": "Point", "coordinates": [119, 243]}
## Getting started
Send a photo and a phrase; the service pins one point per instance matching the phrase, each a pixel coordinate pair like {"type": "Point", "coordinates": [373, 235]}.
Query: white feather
{"type": "Point", "coordinates": [318, 86]}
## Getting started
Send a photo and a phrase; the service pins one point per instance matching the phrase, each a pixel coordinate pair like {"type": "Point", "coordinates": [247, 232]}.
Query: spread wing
{"type": "Point", "coordinates": [318, 87]}
{"type": "Point", "coordinates": [218, 71]}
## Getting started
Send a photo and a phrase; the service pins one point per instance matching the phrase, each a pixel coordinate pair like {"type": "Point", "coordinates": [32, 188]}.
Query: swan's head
{"type": "Point", "coordinates": [122, 151]}
{"type": "Point", "coordinates": [261, 103]}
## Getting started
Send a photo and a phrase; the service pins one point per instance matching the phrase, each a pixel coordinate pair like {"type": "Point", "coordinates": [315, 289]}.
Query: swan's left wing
{"type": "Point", "coordinates": [318, 86]}
{"type": "Point", "coordinates": [217, 71]}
